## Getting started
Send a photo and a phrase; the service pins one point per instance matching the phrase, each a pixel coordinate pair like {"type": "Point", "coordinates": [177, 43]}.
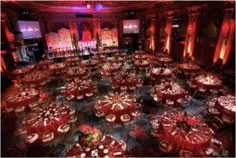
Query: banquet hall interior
{"type": "Point", "coordinates": [117, 78]}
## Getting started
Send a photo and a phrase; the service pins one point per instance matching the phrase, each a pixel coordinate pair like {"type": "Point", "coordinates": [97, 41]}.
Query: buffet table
{"type": "Point", "coordinates": [118, 108]}
{"type": "Point", "coordinates": [181, 131]}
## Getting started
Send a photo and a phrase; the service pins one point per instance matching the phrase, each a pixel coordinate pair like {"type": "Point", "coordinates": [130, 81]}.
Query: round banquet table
{"type": "Point", "coordinates": [126, 81]}
{"type": "Point", "coordinates": [170, 93]}
{"type": "Point", "coordinates": [108, 147]}
{"type": "Point", "coordinates": [109, 68]}
{"type": "Point", "coordinates": [44, 64]}
{"type": "Point", "coordinates": [182, 131]}
{"type": "Point", "coordinates": [58, 68]}
{"type": "Point", "coordinates": [206, 82]}
{"type": "Point", "coordinates": [120, 54]}
{"type": "Point", "coordinates": [188, 67]}
{"type": "Point", "coordinates": [79, 89]}
{"type": "Point", "coordinates": [101, 57]}
{"type": "Point", "coordinates": [226, 105]}
{"type": "Point", "coordinates": [46, 121]}
{"type": "Point", "coordinates": [19, 72]}
{"type": "Point", "coordinates": [139, 52]}
{"type": "Point", "coordinates": [76, 71]}
{"type": "Point", "coordinates": [20, 99]}
{"type": "Point", "coordinates": [118, 108]}
{"type": "Point", "coordinates": [141, 64]}
{"type": "Point", "coordinates": [72, 61]}
{"type": "Point", "coordinates": [164, 60]}
{"type": "Point", "coordinates": [36, 77]}
{"type": "Point", "coordinates": [140, 56]}
{"type": "Point", "coordinates": [160, 72]}
{"type": "Point", "coordinates": [91, 63]}
{"type": "Point", "coordinates": [117, 59]}
{"type": "Point", "coordinates": [161, 55]}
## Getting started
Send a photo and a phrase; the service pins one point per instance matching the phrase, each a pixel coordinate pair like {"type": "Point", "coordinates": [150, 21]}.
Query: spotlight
{"type": "Point", "coordinates": [98, 6]}
{"type": "Point", "coordinates": [88, 6]}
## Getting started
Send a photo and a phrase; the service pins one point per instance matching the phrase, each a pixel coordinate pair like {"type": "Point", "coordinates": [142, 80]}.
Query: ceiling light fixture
{"type": "Point", "coordinates": [98, 7]}
{"type": "Point", "coordinates": [88, 6]}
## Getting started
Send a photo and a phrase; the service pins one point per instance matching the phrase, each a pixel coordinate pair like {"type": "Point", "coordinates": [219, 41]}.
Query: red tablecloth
{"type": "Point", "coordinates": [117, 105]}
{"type": "Point", "coordinates": [168, 90]}
{"type": "Point", "coordinates": [227, 106]}
{"type": "Point", "coordinates": [117, 59]}
{"type": "Point", "coordinates": [79, 88]}
{"type": "Point", "coordinates": [46, 118]}
{"type": "Point", "coordinates": [207, 81]}
{"type": "Point", "coordinates": [91, 63]}
{"type": "Point", "coordinates": [140, 56]}
{"type": "Point", "coordinates": [108, 147]}
{"type": "Point", "coordinates": [157, 73]}
{"type": "Point", "coordinates": [186, 67]}
{"type": "Point", "coordinates": [72, 61]}
{"type": "Point", "coordinates": [128, 80]}
{"type": "Point", "coordinates": [36, 77]}
{"type": "Point", "coordinates": [22, 98]}
{"type": "Point", "coordinates": [76, 71]}
{"type": "Point", "coordinates": [110, 67]}
{"type": "Point", "coordinates": [183, 131]}
{"type": "Point", "coordinates": [140, 64]}
{"type": "Point", "coordinates": [58, 68]}
{"type": "Point", "coordinates": [164, 59]}
{"type": "Point", "coordinates": [23, 70]}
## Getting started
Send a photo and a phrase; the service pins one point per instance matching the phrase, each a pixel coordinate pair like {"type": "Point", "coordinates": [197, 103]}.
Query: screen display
{"type": "Point", "coordinates": [29, 29]}
{"type": "Point", "coordinates": [130, 26]}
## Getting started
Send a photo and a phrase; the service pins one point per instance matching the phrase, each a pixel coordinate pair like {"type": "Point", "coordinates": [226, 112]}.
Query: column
{"type": "Point", "coordinates": [74, 31]}
{"type": "Point", "coordinates": [225, 38]}
{"type": "Point", "coordinates": [168, 30]}
{"type": "Point", "coordinates": [190, 35]}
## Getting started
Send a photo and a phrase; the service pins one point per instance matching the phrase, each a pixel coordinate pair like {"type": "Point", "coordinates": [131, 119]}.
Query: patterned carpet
{"type": "Point", "coordinates": [12, 146]}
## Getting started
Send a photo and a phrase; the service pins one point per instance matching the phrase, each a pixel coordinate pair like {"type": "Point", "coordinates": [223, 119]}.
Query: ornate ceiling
{"type": "Point", "coordinates": [81, 6]}
{"type": "Point", "coordinates": [147, 7]}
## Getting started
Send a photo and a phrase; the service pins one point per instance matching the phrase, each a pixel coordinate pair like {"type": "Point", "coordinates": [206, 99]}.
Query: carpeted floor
{"type": "Point", "coordinates": [12, 146]}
